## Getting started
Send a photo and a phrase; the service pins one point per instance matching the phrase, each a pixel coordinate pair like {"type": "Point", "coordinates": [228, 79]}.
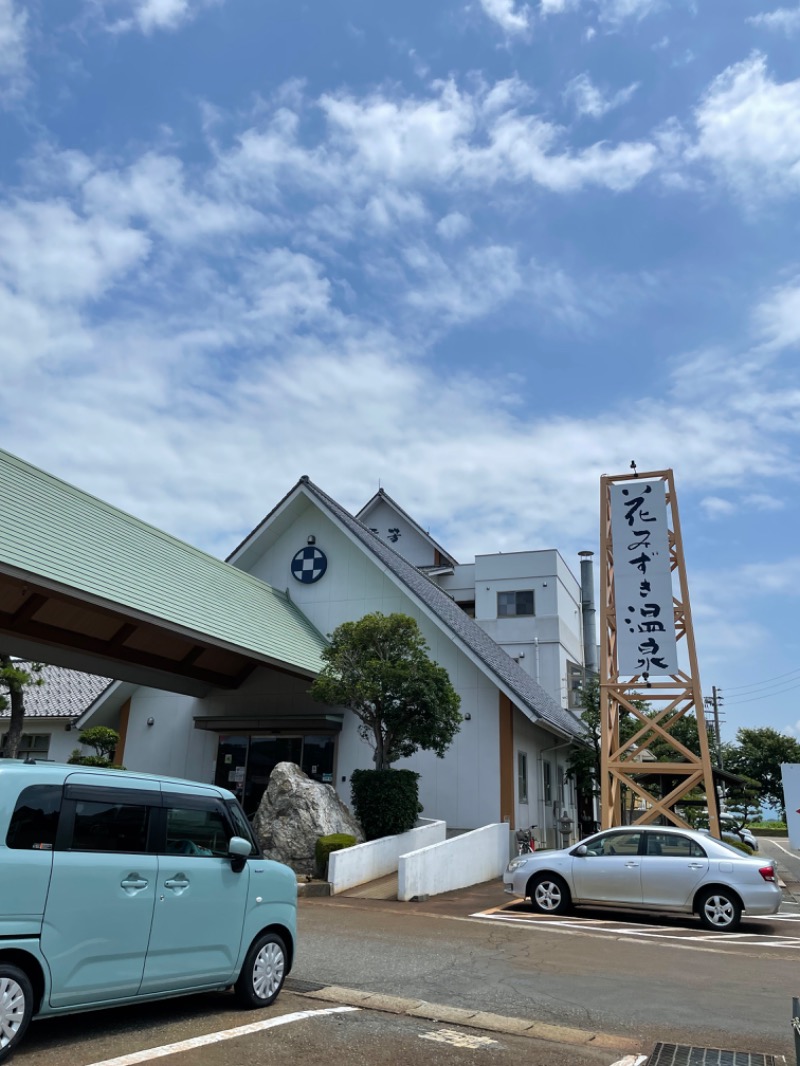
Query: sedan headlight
{"type": "Point", "coordinates": [515, 865]}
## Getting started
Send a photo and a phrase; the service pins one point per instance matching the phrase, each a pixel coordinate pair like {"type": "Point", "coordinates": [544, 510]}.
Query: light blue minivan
{"type": "Point", "coordinates": [117, 887]}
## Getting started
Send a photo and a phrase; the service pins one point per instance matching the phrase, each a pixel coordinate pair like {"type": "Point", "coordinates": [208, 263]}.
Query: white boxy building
{"type": "Point", "coordinates": [507, 628]}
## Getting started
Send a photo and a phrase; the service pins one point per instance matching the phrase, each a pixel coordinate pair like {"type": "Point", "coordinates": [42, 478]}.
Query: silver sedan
{"type": "Point", "coordinates": [649, 868]}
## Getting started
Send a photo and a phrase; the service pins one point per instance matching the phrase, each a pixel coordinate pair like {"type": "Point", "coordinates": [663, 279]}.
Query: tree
{"type": "Point", "coordinates": [15, 677]}
{"type": "Point", "coordinates": [379, 667]}
{"type": "Point", "coordinates": [758, 754]}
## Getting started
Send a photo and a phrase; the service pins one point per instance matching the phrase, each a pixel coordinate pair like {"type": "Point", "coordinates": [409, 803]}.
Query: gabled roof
{"type": "Point", "coordinates": [63, 693]}
{"type": "Point", "coordinates": [74, 568]}
{"type": "Point", "coordinates": [383, 497]}
{"type": "Point", "coordinates": [509, 676]}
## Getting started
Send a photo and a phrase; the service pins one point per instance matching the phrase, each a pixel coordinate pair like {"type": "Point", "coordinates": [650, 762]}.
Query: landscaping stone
{"type": "Point", "coordinates": [294, 812]}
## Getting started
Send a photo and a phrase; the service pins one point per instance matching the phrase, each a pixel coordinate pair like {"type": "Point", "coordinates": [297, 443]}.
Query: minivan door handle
{"type": "Point", "coordinates": [177, 883]}
{"type": "Point", "coordinates": [133, 883]}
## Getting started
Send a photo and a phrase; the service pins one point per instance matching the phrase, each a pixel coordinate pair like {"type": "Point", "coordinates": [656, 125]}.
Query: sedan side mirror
{"type": "Point", "coordinates": [238, 849]}
{"type": "Point", "coordinates": [581, 850]}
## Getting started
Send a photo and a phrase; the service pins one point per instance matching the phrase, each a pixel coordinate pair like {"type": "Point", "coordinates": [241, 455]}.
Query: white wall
{"type": "Point", "coordinates": [378, 858]}
{"type": "Point", "coordinates": [62, 741]}
{"type": "Point", "coordinates": [469, 859]}
{"type": "Point", "coordinates": [409, 542]}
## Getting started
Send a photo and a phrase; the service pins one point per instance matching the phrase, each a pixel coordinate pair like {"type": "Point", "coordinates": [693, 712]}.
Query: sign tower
{"type": "Point", "coordinates": [645, 621]}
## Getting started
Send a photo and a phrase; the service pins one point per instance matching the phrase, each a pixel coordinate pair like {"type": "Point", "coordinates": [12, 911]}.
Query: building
{"type": "Point", "coordinates": [508, 761]}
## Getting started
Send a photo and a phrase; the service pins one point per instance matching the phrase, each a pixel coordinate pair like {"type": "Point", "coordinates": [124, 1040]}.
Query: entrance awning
{"type": "Point", "coordinates": [273, 724]}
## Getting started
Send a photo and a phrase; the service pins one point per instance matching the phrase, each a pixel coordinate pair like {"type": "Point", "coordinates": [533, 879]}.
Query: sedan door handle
{"type": "Point", "coordinates": [175, 882]}
{"type": "Point", "coordinates": [631, 865]}
{"type": "Point", "coordinates": [697, 866]}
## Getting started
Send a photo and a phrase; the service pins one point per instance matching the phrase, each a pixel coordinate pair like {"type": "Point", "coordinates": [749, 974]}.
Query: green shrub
{"type": "Point", "coordinates": [385, 801]}
{"type": "Point", "coordinates": [325, 845]}
{"type": "Point", "coordinates": [739, 844]}
{"type": "Point", "coordinates": [781, 826]}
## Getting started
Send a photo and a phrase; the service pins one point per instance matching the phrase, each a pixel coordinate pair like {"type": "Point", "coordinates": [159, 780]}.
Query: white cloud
{"type": "Point", "coordinates": [588, 99]}
{"type": "Point", "coordinates": [453, 225]}
{"type": "Point", "coordinates": [782, 20]}
{"type": "Point", "coordinates": [513, 19]}
{"type": "Point", "coordinates": [717, 507]}
{"type": "Point", "coordinates": [13, 51]}
{"type": "Point", "coordinates": [609, 11]}
{"type": "Point", "coordinates": [749, 131]}
{"type": "Point", "coordinates": [777, 318]}
{"type": "Point", "coordinates": [450, 140]}
{"type": "Point", "coordinates": [616, 11]}
{"type": "Point", "coordinates": [149, 16]}
{"type": "Point", "coordinates": [51, 254]}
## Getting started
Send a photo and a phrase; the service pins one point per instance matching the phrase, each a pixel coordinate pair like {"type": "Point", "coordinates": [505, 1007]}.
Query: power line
{"type": "Point", "coordinates": [766, 696]}
{"type": "Point", "coordinates": [758, 684]}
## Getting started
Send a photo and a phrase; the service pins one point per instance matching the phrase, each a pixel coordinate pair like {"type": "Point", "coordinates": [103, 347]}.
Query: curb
{"type": "Point", "coordinates": [313, 888]}
{"type": "Point", "coordinates": [473, 1019]}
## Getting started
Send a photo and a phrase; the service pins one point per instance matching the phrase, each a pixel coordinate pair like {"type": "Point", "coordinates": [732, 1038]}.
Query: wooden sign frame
{"type": "Point", "coordinates": [672, 696]}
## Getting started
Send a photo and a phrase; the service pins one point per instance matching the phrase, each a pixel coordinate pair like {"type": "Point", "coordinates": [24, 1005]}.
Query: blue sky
{"type": "Point", "coordinates": [477, 251]}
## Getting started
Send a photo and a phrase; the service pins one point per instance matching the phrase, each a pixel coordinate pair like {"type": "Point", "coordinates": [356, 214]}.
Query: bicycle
{"type": "Point", "coordinates": [526, 842]}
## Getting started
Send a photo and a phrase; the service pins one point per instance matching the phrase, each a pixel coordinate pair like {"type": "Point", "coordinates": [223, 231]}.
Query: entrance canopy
{"type": "Point", "coordinates": [87, 586]}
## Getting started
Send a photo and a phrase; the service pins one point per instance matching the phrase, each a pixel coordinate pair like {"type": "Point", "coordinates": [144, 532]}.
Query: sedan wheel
{"type": "Point", "coordinates": [720, 910]}
{"type": "Point", "coordinates": [549, 894]}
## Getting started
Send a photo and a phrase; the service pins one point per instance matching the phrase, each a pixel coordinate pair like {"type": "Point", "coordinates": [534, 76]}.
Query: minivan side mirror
{"type": "Point", "coordinates": [238, 849]}
{"type": "Point", "coordinates": [581, 850]}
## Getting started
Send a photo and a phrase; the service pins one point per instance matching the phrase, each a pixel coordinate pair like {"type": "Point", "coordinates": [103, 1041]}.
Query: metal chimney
{"type": "Point", "coordinates": [588, 612]}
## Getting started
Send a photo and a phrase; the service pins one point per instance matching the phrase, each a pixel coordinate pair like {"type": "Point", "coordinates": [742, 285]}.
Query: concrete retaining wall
{"type": "Point", "coordinates": [377, 858]}
{"type": "Point", "coordinates": [468, 859]}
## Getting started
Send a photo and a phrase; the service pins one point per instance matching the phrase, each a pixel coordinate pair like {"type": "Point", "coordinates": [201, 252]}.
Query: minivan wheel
{"type": "Point", "coordinates": [16, 1006]}
{"type": "Point", "coordinates": [263, 972]}
{"type": "Point", "coordinates": [719, 910]}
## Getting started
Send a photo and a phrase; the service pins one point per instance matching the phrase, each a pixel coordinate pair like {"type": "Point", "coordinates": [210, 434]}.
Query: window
{"type": "Point", "coordinates": [241, 826]}
{"type": "Point", "coordinates": [31, 745]}
{"type": "Point", "coordinates": [674, 846]}
{"type": "Point", "coordinates": [196, 832]}
{"type": "Point", "coordinates": [522, 776]}
{"type": "Point", "coordinates": [512, 604]}
{"type": "Point", "coordinates": [615, 844]}
{"type": "Point", "coordinates": [576, 676]}
{"type": "Point", "coordinates": [35, 818]}
{"type": "Point", "coordinates": [110, 826]}
{"type": "Point", "coordinates": [547, 777]}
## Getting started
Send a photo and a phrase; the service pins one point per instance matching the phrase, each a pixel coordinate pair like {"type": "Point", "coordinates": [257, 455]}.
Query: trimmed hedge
{"type": "Point", "coordinates": [385, 801]}
{"type": "Point", "coordinates": [325, 845]}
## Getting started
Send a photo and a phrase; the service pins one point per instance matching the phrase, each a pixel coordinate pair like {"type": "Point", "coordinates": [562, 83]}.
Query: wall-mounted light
{"type": "Point", "coordinates": [312, 539]}
{"type": "Point", "coordinates": [467, 717]}
{"type": "Point", "coordinates": [151, 721]}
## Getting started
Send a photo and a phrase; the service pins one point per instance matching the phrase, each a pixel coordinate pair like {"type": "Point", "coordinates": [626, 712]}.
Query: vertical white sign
{"type": "Point", "coordinates": [790, 772]}
{"type": "Point", "coordinates": [642, 579]}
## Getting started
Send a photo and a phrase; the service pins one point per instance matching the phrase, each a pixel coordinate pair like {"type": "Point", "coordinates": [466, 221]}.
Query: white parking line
{"type": "Point", "coordinates": [214, 1038]}
{"type": "Point", "coordinates": [648, 932]}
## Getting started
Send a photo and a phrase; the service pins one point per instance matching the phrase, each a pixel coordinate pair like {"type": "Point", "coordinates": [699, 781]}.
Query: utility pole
{"type": "Point", "coordinates": [714, 701]}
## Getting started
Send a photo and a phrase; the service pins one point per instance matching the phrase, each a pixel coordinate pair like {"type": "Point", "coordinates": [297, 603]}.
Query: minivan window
{"type": "Point", "coordinates": [35, 818]}
{"type": "Point", "coordinates": [109, 827]}
{"type": "Point", "coordinates": [191, 831]}
{"type": "Point", "coordinates": [241, 826]}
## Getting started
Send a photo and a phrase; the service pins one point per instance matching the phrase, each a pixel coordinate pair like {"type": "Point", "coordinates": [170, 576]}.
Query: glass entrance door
{"type": "Point", "coordinates": [265, 754]}
{"type": "Point", "coordinates": [244, 763]}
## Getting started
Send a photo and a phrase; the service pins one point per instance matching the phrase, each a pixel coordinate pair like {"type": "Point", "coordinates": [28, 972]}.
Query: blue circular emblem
{"type": "Point", "coordinates": [309, 565]}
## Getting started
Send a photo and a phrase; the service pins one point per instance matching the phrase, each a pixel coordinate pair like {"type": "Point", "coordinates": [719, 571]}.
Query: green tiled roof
{"type": "Point", "coordinates": [61, 534]}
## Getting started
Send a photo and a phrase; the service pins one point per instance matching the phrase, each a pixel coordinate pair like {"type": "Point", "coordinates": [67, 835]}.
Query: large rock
{"type": "Point", "coordinates": [294, 812]}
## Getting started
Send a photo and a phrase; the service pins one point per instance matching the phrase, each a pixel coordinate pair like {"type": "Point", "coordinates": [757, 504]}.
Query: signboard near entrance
{"type": "Point", "coordinates": [643, 579]}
